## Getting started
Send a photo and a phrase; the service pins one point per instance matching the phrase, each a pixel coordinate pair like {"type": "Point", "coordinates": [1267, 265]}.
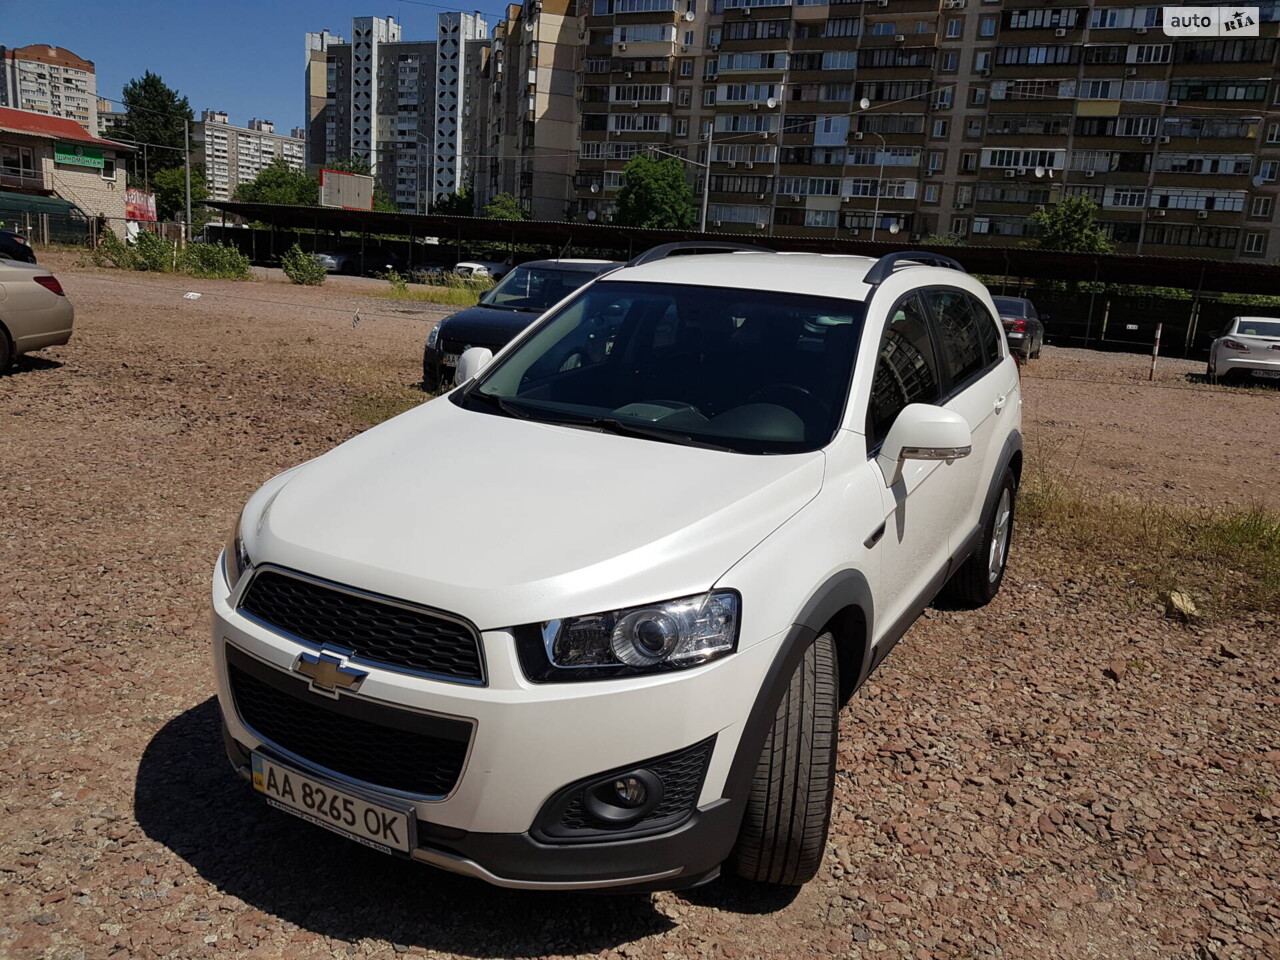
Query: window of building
{"type": "Point", "coordinates": [977, 96]}
{"type": "Point", "coordinates": [924, 26]}
{"type": "Point", "coordinates": [987, 26]}
{"type": "Point", "coordinates": [686, 68]}
{"type": "Point", "coordinates": [820, 218]}
{"type": "Point", "coordinates": [943, 99]}
{"type": "Point", "coordinates": [930, 193]}
{"type": "Point", "coordinates": [950, 62]}
{"type": "Point", "coordinates": [682, 127]}
{"type": "Point", "coordinates": [968, 162]}
{"type": "Point", "coordinates": [1261, 207]}
{"type": "Point", "coordinates": [843, 27]}
{"type": "Point", "coordinates": [1267, 170]}
{"type": "Point", "coordinates": [955, 29]}
{"type": "Point", "coordinates": [885, 28]}
{"type": "Point", "coordinates": [960, 226]}
{"type": "Point", "coordinates": [1255, 244]}
{"type": "Point", "coordinates": [709, 97]}
{"type": "Point", "coordinates": [937, 160]}
{"type": "Point", "coordinates": [940, 128]}
{"type": "Point", "coordinates": [982, 61]}
{"type": "Point", "coordinates": [1273, 132]}
{"type": "Point", "coordinates": [684, 97]}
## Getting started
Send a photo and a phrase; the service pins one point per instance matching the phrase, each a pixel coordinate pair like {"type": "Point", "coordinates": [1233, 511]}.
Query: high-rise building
{"type": "Point", "coordinates": [319, 79]}
{"type": "Point", "coordinates": [410, 109]}
{"type": "Point", "coordinates": [531, 147]}
{"type": "Point", "coordinates": [111, 116]}
{"type": "Point", "coordinates": [50, 80]}
{"type": "Point", "coordinates": [234, 155]}
{"type": "Point", "coordinates": [978, 112]}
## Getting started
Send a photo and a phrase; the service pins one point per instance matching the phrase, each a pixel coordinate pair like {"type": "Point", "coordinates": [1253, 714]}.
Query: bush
{"type": "Point", "coordinates": [114, 252]}
{"type": "Point", "coordinates": [302, 267]}
{"type": "Point", "coordinates": [399, 284]}
{"type": "Point", "coordinates": [214, 260]}
{"type": "Point", "coordinates": [152, 252]}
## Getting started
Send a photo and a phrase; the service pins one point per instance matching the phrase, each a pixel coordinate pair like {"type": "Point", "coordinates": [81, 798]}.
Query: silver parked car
{"type": "Point", "coordinates": [34, 311]}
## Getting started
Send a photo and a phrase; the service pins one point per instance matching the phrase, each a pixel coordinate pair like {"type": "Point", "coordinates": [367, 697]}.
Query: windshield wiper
{"type": "Point", "coordinates": [625, 429]}
{"type": "Point", "coordinates": [498, 403]}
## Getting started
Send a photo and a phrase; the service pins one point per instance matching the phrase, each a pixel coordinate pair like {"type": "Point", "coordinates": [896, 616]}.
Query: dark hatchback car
{"type": "Point", "coordinates": [1023, 326]}
{"type": "Point", "coordinates": [520, 297]}
{"type": "Point", "coordinates": [15, 247]}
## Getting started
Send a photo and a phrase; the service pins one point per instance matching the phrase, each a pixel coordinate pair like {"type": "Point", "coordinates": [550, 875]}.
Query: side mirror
{"type": "Point", "coordinates": [472, 361]}
{"type": "Point", "coordinates": [923, 432]}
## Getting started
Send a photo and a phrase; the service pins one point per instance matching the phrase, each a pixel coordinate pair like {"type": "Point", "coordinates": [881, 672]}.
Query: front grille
{"type": "Point", "coordinates": [367, 627]}
{"type": "Point", "coordinates": [329, 734]}
{"type": "Point", "coordinates": [681, 774]}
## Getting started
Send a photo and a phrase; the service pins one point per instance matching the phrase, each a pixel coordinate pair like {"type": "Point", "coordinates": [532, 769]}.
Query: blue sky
{"type": "Point", "coordinates": [241, 56]}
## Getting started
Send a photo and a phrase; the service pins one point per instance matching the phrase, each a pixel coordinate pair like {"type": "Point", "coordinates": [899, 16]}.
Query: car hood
{"type": "Point", "coordinates": [508, 521]}
{"type": "Point", "coordinates": [486, 326]}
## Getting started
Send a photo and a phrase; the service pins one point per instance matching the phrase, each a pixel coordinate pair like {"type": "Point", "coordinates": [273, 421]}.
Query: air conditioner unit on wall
{"type": "Point", "coordinates": [1140, 30]}
{"type": "Point", "coordinates": [1131, 72]}
{"type": "Point", "coordinates": [1202, 214]}
{"type": "Point", "coordinates": [1164, 139]}
{"type": "Point", "coordinates": [899, 38]}
{"type": "Point", "coordinates": [1157, 213]}
{"type": "Point", "coordinates": [1146, 139]}
{"type": "Point", "coordinates": [750, 164]}
{"type": "Point", "coordinates": [1091, 173]}
{"type": "Point", "coordinates": [1010, 174]}
{"type": "Point", "coordinates": [760, 224]}
{"type": "Point", "coordinates": [1060, 32]}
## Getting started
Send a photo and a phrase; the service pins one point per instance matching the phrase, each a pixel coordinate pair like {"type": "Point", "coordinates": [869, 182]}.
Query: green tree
{"type": "Point", "coordinates": [381, 199]}
{"type": "Point", "coordinates": [461, 204]}
{"type": "Point", "coordinates": [656, 194]}
{"type": "Point", "coordinates": [278, 182]}
{"type": "Point", "coordinates": [943, 240]}
{"type": "Point", "coordinates": [1070, 226]}
{"type": "Point", "coordinates": [155, 117]}
{"type": "Point", "coordinates": [171, 193]}
{"type": "Point", "coordinates": [505, 207]}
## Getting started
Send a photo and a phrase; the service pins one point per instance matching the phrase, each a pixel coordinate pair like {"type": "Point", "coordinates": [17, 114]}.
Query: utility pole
{"type": "Point", "coordinates": [186, 132]}
{"type": "Point", "coordinates": [706, 177]}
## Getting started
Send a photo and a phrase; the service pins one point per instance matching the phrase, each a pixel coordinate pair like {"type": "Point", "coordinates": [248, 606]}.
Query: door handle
{"type": "Point", "coordinates": [1001, 401]}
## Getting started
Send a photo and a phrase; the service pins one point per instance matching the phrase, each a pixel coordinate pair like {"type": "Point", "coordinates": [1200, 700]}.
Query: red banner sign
{"type": "Point", "coordinates": [139, 205]}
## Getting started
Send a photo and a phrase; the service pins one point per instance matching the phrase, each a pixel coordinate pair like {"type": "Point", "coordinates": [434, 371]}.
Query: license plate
{"type": "Point", "coordinates": [450, 359]}
{"type": "Point", "coordinates": [1274, 374]}
{"type": "Point", "coordinates": [375, 825]}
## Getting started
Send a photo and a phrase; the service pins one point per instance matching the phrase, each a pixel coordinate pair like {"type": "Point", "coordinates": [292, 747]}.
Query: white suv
{"type": "Point", "coordinates": [592, 626]}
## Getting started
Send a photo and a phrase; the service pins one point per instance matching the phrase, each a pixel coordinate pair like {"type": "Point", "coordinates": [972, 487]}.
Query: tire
{"type": "Point", "coordinates": [783, 836]}
{"type": "Point", "coordinates": [7, 356]}
{"type": "Point", "coordinates": [978, 579]}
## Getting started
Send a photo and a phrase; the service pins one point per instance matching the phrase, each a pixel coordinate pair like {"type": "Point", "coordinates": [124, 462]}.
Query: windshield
{"type": "Point", "coordinates": [1010, 306]}
{"type": "Point", "coordinates": [534, 288]}
{"type": "Point", "coordinates": [1258, 327]}
{"type": "Point", "coordinates": [749, 371]}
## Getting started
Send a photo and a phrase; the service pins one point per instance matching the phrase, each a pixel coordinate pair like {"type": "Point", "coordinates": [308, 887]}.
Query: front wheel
{"type": "Point", "coordinates": [784, 831]}
{"type": "Point", "coordinates": [978, 579]}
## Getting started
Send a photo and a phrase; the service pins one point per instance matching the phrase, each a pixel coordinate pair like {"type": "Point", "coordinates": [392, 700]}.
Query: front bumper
{"type": "Point", "coordinates": [530, 742]}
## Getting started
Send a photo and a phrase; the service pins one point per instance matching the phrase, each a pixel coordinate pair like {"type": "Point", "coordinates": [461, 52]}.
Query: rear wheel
{"type": "Point", "coordinates": [6, 352]}
{"type": "Point", "coordinates": [784, 831]}
{"type": "Point", "coordinates": [978, 579]}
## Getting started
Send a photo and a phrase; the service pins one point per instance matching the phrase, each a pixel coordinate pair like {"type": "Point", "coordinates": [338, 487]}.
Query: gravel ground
{"type": "Point", "coordinates": [1064, 774]}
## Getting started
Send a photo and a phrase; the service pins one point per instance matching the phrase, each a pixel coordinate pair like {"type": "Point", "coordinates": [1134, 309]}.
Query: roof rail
{"type": "Point", "coordinates": [883, 268]}
{"type": "Point", "coordinates": [693, 246]}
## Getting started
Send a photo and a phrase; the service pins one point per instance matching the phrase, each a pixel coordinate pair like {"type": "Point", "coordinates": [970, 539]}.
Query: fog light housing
{"type": "Point", "coordinates": [623, 799]}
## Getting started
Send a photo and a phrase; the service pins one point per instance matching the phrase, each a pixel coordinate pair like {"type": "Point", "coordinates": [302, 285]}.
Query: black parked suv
{"type": "Point", "coordinates": [520, 297]}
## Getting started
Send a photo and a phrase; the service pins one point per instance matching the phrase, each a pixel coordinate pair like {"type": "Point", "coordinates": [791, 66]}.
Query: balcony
{"type": "Point", "coordinates": [20, 178]}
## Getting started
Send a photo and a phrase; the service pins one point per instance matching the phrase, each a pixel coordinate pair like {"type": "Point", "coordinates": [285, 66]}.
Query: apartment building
{"type": "Point", "coordinates": [412, 109]}
{"type": "Point", "coordinates": [531, 145]}
{"type": "Point", "coordinates": [977, 112]}
{"type": "Point", "coordinates": [234, 155]}
{"type": "Point", "coordinates": [50, 80]}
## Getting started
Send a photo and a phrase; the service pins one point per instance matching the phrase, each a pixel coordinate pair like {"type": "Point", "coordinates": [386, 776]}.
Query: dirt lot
{"type": "Point", "coordinates": [1065, 774]}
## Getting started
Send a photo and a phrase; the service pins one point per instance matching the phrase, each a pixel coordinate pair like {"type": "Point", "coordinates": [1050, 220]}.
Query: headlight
{"type": "Point", "coordinates": [235, 558]}
{"type": "Point", "coordinates": [434, 335]}
{"type": "Point", "coordinates": [662, 636]}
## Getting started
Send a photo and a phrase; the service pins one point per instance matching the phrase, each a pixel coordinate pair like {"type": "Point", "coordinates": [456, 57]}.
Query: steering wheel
{"type": "Point", "coordinates": [787, 395]}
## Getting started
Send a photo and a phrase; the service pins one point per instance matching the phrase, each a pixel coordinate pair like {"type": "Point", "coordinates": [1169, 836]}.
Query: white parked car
{"type": "Point", "coordinates": [479, 269]}
{"type": "Point", "coordinates": [592, 627]}
{"type": "Point", "coordinates": [34, 311]}
{"type": "Point", "coordinates": [1249, 346]}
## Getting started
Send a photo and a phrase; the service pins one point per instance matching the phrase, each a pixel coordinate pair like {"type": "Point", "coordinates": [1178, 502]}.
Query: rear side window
{"type": "Point", "coordinates": [969, 341]}
{"type": "Point", "coordinates": [906, 370]}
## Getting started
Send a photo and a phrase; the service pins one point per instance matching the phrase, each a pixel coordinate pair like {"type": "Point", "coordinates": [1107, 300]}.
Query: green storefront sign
{"type": "Point", "coordinates": [80, 156]}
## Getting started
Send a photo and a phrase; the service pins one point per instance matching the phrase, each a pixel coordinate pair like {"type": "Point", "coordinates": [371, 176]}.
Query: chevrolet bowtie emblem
{"type": "Point", "coordinates": [327, 673]}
